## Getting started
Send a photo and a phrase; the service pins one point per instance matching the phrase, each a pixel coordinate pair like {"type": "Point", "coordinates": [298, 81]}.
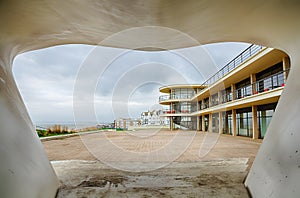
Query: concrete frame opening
{"type": "Point", "coordinates": [25, 165]}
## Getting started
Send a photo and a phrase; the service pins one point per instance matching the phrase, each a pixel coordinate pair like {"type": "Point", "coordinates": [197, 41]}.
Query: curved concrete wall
{"type": "Point", "coordinates": [28, 25]}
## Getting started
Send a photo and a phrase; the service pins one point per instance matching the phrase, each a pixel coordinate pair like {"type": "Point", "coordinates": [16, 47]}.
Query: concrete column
{"type": "Point", "coordinates": [203, 123]}
{"type": "Point", "coordinates": [253, 80]}
{"type": "Point", "coordinates": [210, 123]}
{"type": "Point", "coordinates": [198, 123]}
{"type": "Point", "coordinates": [171, 123]}
{"type": "Point", "coordinates": [234, 132]}
{"type": "Point", "coordinates": [220, 97]}
{"type": "Point", "coordinates": [233, 91]}
{"type": "Point", "coordinates": [255, 122]}
{"type": "Point", "coordinates": [210, 101]}
{"type": "Point", "coordinates": [220, 123]}
{"type": "Point", "coordinates": [286, 66]}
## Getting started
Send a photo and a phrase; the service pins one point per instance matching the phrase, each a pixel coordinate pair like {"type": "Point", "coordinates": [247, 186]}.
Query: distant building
{"type": "Point", "coordinates": [148, 118]}
{"type": "Point", "coordinates": [125, 123]}
{"type": "Point", "coordinates": [153, 118]}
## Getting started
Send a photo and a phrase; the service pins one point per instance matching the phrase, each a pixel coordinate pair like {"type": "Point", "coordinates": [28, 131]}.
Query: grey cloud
{"type": "Point", "coordinates": [46, 77]}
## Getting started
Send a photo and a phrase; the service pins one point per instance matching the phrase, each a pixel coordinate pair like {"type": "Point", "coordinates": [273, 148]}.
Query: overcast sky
{"type": "Point", "coordinates": [127, 81]}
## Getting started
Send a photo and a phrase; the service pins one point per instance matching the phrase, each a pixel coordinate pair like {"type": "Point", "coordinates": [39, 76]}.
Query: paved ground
{"type": "Point", "coordinates": [151, 163]}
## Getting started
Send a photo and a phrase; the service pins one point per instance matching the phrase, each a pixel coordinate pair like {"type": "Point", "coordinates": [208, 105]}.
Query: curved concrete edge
{"type": "Point", "coordinates": [276, 168]}
{"type": "Point", "coordinates": [25, 169]}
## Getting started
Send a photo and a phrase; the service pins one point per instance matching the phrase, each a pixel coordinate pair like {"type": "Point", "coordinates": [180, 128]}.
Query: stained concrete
{"type": "Point", "coordinates": [221, 173]}
{"type": "Point", "coordinates": [213, 178]}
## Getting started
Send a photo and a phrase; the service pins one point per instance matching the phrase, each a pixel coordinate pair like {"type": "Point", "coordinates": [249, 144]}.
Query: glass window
{"type": "Point", "coordinates": [215, 123]}
{"type": "Point", "coordinates": [227, 122]}
{"type": "Point", "coordinates": [264, 116]}
{"type": "Point", "coordinates": [244, 122]}
{"type": "Point", "coordinates": [206, 121]}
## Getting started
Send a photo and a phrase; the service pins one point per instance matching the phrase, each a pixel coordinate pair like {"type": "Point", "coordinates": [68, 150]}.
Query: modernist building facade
{"type": "Point", "coordinates": [240, 99]}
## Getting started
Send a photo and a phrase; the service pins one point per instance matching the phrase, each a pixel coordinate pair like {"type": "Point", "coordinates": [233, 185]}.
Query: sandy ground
{"type": "Point", "coordinates": [149, 164]}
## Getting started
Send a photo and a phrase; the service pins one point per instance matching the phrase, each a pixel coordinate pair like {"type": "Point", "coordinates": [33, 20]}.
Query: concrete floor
{"type": "Point", "coordinates": [219, 174]}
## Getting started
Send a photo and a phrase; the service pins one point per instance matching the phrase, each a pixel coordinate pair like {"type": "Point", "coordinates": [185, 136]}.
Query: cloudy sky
{"type": "Point", "coordinates": [122, 83]}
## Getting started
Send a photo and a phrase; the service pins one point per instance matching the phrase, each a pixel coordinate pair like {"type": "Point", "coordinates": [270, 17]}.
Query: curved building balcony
{"type": "Point", "coordinates": [178, 93]}
{"type": "Point", "coordinates": [175, 112]}
{"type": "Point", "coordinates": [168, 99]}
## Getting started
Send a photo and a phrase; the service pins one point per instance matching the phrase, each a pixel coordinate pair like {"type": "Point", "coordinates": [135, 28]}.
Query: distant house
{"type": "Point", "coordinates": [153, 118]}
{"type": "Point", "coordinates": [125, 123]}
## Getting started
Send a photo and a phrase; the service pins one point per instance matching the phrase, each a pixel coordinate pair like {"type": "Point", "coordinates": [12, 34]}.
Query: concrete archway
{"type": "Point", "coordinates": [30, 25]}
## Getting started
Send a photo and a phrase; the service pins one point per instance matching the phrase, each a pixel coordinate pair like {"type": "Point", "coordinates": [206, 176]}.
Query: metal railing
{"type": "Point", "coordinates": [242, 57]}
{"type": "Point", "coordinates": [243, 91]}
{"type": "Point", "coordinates": [164, 98]}
{"type": "Point", "coordinates": [271, 82]}
{"type": "Point", "coordinates": [175, 97]}
{"type": "Point", "coordinates": [175, 111]}
{"type": "Point", "coordinates": [266, 84]}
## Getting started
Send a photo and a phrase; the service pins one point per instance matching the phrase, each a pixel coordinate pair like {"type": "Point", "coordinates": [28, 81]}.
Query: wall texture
{"type": "Point", "coordinates": [32, 24]}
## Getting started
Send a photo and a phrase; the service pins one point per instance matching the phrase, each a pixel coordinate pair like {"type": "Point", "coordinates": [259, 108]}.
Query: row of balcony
{"type": "Point", "coordinates": [176, 111]}
{"type": "Point", "coordinates": [242, 57]}
{"type": "Point", "coordinates": [264, 85]}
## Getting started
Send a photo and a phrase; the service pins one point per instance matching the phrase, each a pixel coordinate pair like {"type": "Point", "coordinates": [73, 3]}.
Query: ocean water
{"type": "Point", "coordinates": [70, 125]}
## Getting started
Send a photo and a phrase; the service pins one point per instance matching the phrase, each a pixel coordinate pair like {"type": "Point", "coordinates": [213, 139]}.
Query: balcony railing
{"type": "Point", "coordinates": [243, 92]}
{"type": "Point", "coordinates": [226, 97]}
{"type": "Point", "coordinates": [173, 111]}
{"type": "Point", "coordinates": [242, 57]}
{"type": "Point", "coordinates": [175, 97]}
{"type": "Point", "coordinates": [164, 98]}
{"type": "Point", "coordinates": [271, 82]}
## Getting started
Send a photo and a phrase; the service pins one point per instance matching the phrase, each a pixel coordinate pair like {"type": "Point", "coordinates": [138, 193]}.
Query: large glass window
{"type": "Point", "coordinates": [200, 105]}
{"type": "Point", "coordinates": [244, 122]}
{"type": "Point", "coordinates": [200, 123]}
{"type": "Point", "coordinates": [270, 82]}
{"type": "Point", "coordinates": [215, 99]}
{"type": "Point", "coordinates": [227, 122]}
{"type": "Point", "coordinates": [194, 107]}
{"type": "Point", "coordinates": [215, 122]}
{"type": "Point", "coordinates": [243, 88]}
{"type": "Point", "coordinates": [206, 121]}
{"type": "Point", "coordinates": [264, 116]}
{"type": "Point", "coordinates": [186, 122]}
{"type": "Point", "coordinates": [270, 78]}
{"type": "Point", "coordinates": [185, 107]}
{"type": "Point", "coordinates": [226, 95]}
{"type": "Point", "coordinates": [206, 103]}
{"type": "Point", "coordinates": [182, 93]}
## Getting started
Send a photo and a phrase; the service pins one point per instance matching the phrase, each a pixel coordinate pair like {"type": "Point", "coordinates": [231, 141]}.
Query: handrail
{"type": "Point", "coordinates": [175, 97]}
{"type": "Point", "coordinates": [164, 98]}
{"type": "Point", "coordinates": [263, 85]}
{"type": "Point", "coordinates": [242, 57]}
